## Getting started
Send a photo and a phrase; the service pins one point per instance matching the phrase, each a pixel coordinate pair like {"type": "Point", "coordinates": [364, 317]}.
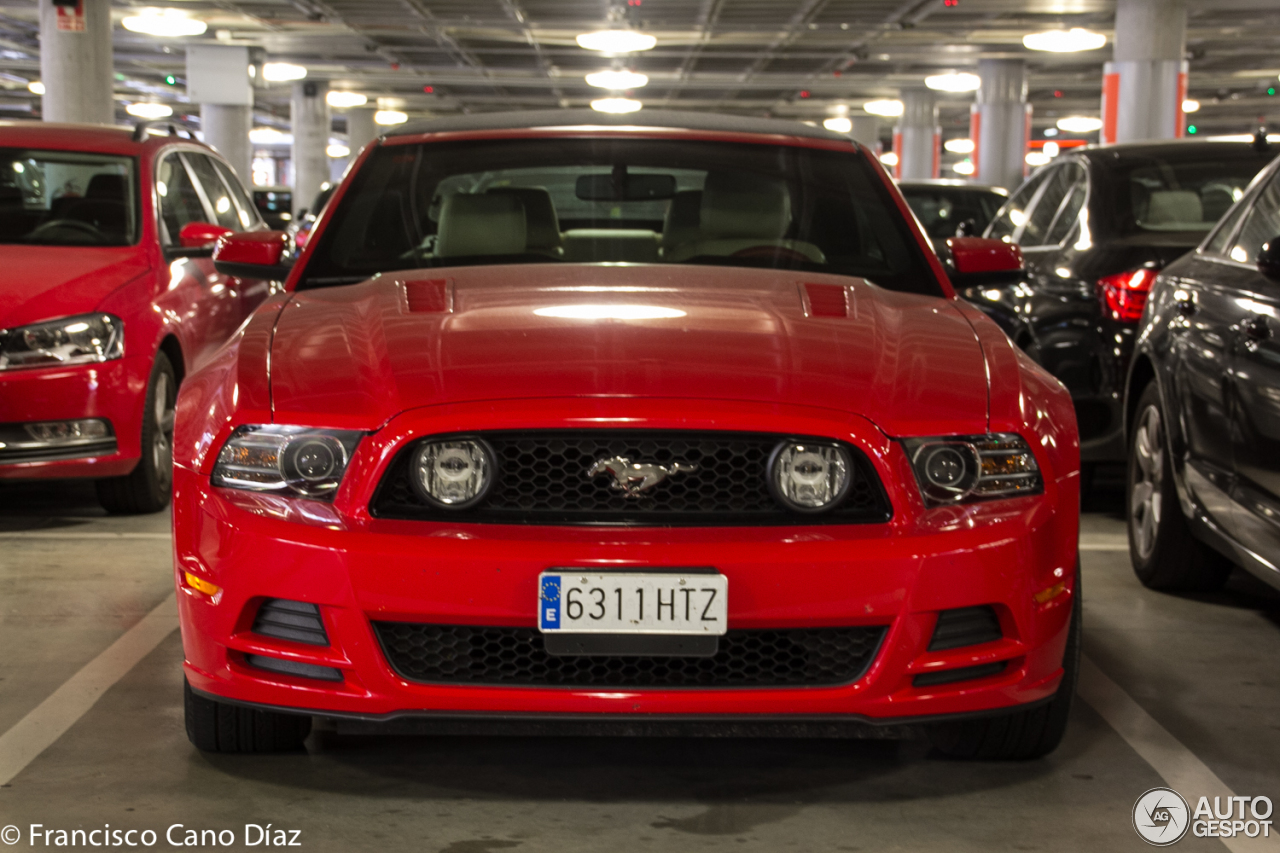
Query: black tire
{"type": "Point", "coordinates": [1022, 735]}
{"type": "Point", "coordinates": [149, 486]}
{"type": "Point", "coordinates": [219, 727]}
{"type": "Point", "coordinates": [1164, 552]}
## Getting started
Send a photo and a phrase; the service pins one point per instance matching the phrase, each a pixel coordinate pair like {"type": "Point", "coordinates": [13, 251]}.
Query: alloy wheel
{"type": "Point", "coordinates": [163, 411]}
{"type": "Point", "coordinates": [1148, 477]}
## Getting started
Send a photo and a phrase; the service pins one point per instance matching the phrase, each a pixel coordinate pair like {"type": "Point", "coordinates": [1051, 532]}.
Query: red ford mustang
{"type": "Point", "coordinates": [108, 298]}
{"type": "Point", "coordinates": [651, 424]}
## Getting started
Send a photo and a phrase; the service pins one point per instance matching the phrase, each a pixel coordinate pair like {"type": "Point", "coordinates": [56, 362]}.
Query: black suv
{"type": "Point", "coordinates": [1203, 407]}
{"type": "Point", "coordinates": [1096, 225]}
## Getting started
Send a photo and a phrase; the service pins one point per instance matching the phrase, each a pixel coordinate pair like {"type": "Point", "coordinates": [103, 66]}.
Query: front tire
{"type": "Point", "coordinates": [218, 727]}
{"type": "Point", "coordinates": [149, 486]}
{"type": "Point", "coordinates": [1165, 554]}
{"type": "Point", "coordinates": [1022, 735]}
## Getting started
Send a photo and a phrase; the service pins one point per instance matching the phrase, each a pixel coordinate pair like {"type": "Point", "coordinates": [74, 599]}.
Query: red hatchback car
{"type": "Point", "coordinates": [649, 424]}
{"type": "Point", "coordinates": [109, 299]}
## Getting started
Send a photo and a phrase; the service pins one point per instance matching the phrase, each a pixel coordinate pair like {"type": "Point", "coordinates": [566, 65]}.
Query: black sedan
{"type": "Point", "coordinates": [1203, 407]}
{"type": "Point", "coordinates": [1096, 226]}
{"type": "Point", "coordinates": [952, 208]}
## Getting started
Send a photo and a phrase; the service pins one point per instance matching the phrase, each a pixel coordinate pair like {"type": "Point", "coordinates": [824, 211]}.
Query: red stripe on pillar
{"type": "Point", "coordinates": [975, 134]}
{"type": "Point", "coordinates": [1181, 122]}
{"type": "Point", "coordinates": [897, 150]}
{"type": "Point", "coordinates": [1111, 105]}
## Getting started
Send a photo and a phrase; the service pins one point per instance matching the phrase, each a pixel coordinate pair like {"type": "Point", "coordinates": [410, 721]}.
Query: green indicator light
{"type": "Point", "coordinates": [1191, 129]}
{"type": "Point", "coordinates": [1271, 90]}
{"type": "Point", "coordinates": [171, 80]}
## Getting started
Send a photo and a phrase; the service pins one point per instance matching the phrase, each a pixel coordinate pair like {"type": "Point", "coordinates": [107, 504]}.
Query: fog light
{"type": "Point", "coordinates": [809, 477]}
{"type": "Point", "coordinates": [454, 474]}
{"type": "Point", "coordinates": [62, 432]}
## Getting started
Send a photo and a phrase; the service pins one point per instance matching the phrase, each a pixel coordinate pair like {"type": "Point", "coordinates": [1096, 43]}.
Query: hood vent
{"type": "Point", "coordinates": [429, 296]}
{"type": "Point", "coordinates": [825, 300]}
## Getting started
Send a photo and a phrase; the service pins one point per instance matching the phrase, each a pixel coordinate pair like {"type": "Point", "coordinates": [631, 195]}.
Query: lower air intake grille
{"type": "Point", "coordinates": [290, 620]}
{"type": "Point", "coordinates": [965, 626]}
{"type": "Point", "coordinates": [460, 654]}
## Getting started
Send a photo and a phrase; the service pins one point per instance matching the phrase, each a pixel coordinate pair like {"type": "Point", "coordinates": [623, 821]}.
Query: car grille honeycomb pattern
{"type": "Point", "coordinates": [542, 479]}
{"type": "Point", "coordinates": [462, 654]}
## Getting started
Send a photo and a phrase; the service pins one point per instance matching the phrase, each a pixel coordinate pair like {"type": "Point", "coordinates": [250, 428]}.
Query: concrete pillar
{"type": "Point", "coordinates": [226, 128]}
{"type": "Point", "coordinates": [865, 130]}
{"type": "Point", "coordinates": [1000, 123]}
{"type": "Point", "coordinates": [310, 116]}
{"type": "Point", "coordinates": [76, 62]}
{"type": "Point", "coordinates": [1143, 88]}
{"type": "Point", "coordinates": [361, 129]}
{"type": "Point", "coordinates": [918, 138]}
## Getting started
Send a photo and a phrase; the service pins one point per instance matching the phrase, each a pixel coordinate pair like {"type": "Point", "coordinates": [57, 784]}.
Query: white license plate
{"type": "Point", "coordinates": [633, 603]}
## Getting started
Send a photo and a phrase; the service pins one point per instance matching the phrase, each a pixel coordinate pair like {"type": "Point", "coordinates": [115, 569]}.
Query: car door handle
{"type": "Point", "coordinates": [1256, 328]}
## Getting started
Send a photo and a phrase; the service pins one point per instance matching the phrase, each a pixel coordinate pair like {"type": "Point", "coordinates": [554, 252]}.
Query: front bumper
{"type": "Point", "coordinates": [360, 570]}
{"type": "Point", "coordinates": [113, 391]}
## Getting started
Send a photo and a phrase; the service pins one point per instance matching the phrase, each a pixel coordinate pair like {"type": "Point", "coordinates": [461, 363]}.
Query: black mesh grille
{"type": "Point", "coordinates": [965, 626]}
{"type": "Point", "coordinates": [542, 479]}
{"type": "Point", "coordinates": [290, 620]}
{"type": "Point", "coordinates": [461, 654]}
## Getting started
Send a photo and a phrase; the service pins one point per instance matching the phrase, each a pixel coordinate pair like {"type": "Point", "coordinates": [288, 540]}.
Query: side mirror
{"type": "Point", "coordinates": [1269, 259]}
{"type": "Point", "coordinates": [967, 228]}
{"type": "Point", "coordinates": [978, 260]}
{"type": "Point", "coordinates": [252, 254]}
{"type": "Point", "coordinates": [196, 240]}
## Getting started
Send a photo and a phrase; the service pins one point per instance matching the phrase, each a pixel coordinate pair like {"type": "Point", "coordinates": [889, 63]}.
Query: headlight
{"type": "Point", "coordinates": [453, 473]}
{"type": "Point", "coordinates": [285, 459]}
{"type": "Point", "coordinates": [952, 469]}
{"type": "Point", "coordinates": [809, 477]}
{"type": "Point", "coordinates": [84, 339]}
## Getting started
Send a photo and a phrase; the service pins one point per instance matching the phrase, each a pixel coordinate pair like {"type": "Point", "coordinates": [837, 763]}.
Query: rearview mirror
{"type": "Point", "coordinates": [1269, 259]}
{"type": "Point", "coordinates": [633, 187]}
{"type": "Point", "coordinates": [978, 260]}
{"type": "Point", "coordinates": [252, 254]}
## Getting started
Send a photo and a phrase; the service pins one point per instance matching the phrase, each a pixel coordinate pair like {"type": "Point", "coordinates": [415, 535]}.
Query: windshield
{"type": "Point", "coordinates": [67, 198]}
{"type": "Point", "coordinates": [618, 201]}
{"type": "Point", "coordinates": [941, 210]}
{"type": "Point", "coordinates": [1167, 194]}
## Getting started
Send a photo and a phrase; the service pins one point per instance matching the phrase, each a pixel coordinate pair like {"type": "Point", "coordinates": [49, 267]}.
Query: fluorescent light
{"type": "Point", "coordinates": [390, 117]}
{"type": "Point", "coordinates": [270, 136]}
{"type": "Point", "coordinates": [610, 312]}
{"type": "Point", "coordinates": [1051, 149]}
{"type": "Point", "coordinates": [616, 105]}
{"type": "Point", "coordinates": [282, 72]}
{"type": "Point", "coordinates": [889, 159]}
{"type": "Point", "coordinates": [1079, 124]}
{"type": "Point", "coordinates": [164, 23]}
{"type": "Point", "coordinates": [959, 146]}
{"type": "Point", "coordinates": [1037, 158]}
{"type": "Point", "coordinates": [954, 81]}
{"type": "Point", "coordinates": [149, 110]}
{"type": "Point", "coordinates": [338, 98]}
{"type": "Point", "coordinates": [617, 80]}
{"type": "Point", "coordinates": [964, 167]}
{"type": "Point", "coordinates": [1190, 105]}
{"type": "Point", "coordinates": [35, 87]}
{"type": "Point", "coordinates": [1065, 41]}
{"type": "Point", "coordinates": [337, 151]}
{"type": "Point", "coordinates": [839, 124]}
{"type": "Point", "coordinates": [1050, 131]}
{"type": "Point", "coordinates": [884, 107]}
{"type": "Point", "coordinates": [616, 41]}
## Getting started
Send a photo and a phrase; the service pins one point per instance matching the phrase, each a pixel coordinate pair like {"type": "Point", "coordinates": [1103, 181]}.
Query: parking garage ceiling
{"type": "Point", "coordinates": [805, 60]}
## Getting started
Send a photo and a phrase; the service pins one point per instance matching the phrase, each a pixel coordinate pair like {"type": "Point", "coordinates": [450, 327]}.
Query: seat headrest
{"type": "Point", "coordinates": [480, 225]}
{"type": "Point", "coordinates": [107, 187]}
{"type": "Point", "coordinates": [1169, 206]}
{"type": "Point", "coordinates": [542, 226]}
{"type": "Point", "coordinates": [736, 204]}
{"type": "Point", "coordinates": [683, 220]}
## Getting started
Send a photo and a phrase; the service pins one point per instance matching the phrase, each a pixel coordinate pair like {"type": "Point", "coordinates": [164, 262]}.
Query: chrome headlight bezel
{"type": "Point", "coordinates": [834, 453]}
{"type": "Point", "coordinates": [294, 461]}
{"type": "Point", "coordinates": [478, 448]}
{"type": "Point", "coordinates": [79, 339]}
{"type": "Point", "coordinates": [957, 469]}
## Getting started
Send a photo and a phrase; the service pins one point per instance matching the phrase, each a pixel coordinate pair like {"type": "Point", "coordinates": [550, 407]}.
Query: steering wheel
{"type": "Point", "coordinates": [780, 253]}
{"type": "Point", "coordinates": [86, 228]}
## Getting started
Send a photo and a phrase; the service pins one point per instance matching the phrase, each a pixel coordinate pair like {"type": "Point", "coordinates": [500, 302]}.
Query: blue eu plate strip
{"type": "Point", "coordinates": [549, 602]}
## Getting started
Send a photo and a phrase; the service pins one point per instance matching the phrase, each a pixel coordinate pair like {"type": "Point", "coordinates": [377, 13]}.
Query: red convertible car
{"type": "Point", "coordinates": [659, 423]}
{"type": "Point", "coordinates": [109, 298]}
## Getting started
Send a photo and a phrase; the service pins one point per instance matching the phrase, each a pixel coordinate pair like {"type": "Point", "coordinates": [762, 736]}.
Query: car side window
{"type": "Point", "coordinates": [179, 200]}
{"type": "Point", "coordinates": [1014, 213]}
{"type": "Point", "coordinates": [248, 214]}
{"type": "Point", "coordinates": [1041, 216]}
{"type": "Point", "coordinates": [1070, 210]}
{"type": "Point", "coordinates": [224, 209]}
{"type": "Point", "coordinates": [1221, 238]}
{"type": "Point", "coordinates": [1262, 224]}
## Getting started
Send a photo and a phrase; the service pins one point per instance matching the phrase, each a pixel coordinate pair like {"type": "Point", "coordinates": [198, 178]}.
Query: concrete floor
{"type": "Point", "coordinates": [1207, 669]}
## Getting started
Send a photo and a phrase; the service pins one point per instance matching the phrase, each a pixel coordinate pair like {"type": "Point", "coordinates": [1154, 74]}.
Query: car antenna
{"type": "Point", "coordinates": [1260, 143]}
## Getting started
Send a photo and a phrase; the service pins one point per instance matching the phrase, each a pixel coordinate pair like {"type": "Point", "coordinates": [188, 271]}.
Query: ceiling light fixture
{"type": "Point", "coordinates": [282, 72]}
{"type": "Point", "coordinates": [149, 110]}
{"type": "Point", "coordinates": [35, 87]}
{"type": "Point", "coordinates": [337, 151]}
{"type": "Point", "coordinates": [270, 136]}
{"type": "Point", "coordinates": [964, 167]}
{"type": "Point", "coordinates": [390, 117]}
{"type": "Point", "coordinates": [884, 107]}
{"type": "Point", "coordinates": [954, 81]}
{"type": "Point", "coordinates": [1051, 149]}
{"type": "Point", "coordinates": [839, 124]}
{"type": "Point", "coordinates": [1190, 105]}
{"type": "Point", "coordinates": [1065, 41]}
{"type": "Point", "coordinates": [164, 23]}
{"type": "Point", "coordinates": [1037, 158]}
{"type": "Point", "coordinates": [340, 99]}
{"type": "Point", "coordinates": [1050, 131]}
{"type": "Point", "coordinates": [959, 146]}
{"type": "Point", "coordinates": [1080, 124]}
{"type": "Point", "coordinates": [617, 80]}
{"type": "Point", "coordinates": [616, 41]}
{"type": "Point", "coordinates": [616, 105]}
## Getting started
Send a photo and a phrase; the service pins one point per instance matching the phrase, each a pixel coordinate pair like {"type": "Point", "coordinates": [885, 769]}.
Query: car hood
{"type": "Point", "coordinates": [43, 282]}
{"type": "Point", "coordinates": [358, 355]}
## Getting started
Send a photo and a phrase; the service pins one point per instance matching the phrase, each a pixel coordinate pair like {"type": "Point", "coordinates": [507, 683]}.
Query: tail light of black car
{"type": "Point", "coordinates": [1124, 294]}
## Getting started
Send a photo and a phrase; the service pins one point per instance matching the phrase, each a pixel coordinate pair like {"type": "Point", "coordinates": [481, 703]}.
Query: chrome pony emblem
{"type": "Point", "coordinates": [632, 478]}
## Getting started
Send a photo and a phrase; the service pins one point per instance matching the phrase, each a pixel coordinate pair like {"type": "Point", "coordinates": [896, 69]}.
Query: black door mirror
{"type": "Point", "coordinates": [1269, 259]}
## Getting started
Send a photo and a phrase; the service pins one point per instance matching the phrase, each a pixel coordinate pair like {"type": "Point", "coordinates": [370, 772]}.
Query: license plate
{"type": "Point", "coordinates": [633, 603]}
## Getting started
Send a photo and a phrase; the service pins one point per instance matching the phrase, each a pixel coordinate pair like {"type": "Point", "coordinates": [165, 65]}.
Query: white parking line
{"type": "Point", "coordinates": [1104, 542]}
{"type": "Point", "coordinates": [49, 720]}
{"type": "Point", "coordinates": [1176, 764]}
{"type": "Point", "coordinates": [73, 534]}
